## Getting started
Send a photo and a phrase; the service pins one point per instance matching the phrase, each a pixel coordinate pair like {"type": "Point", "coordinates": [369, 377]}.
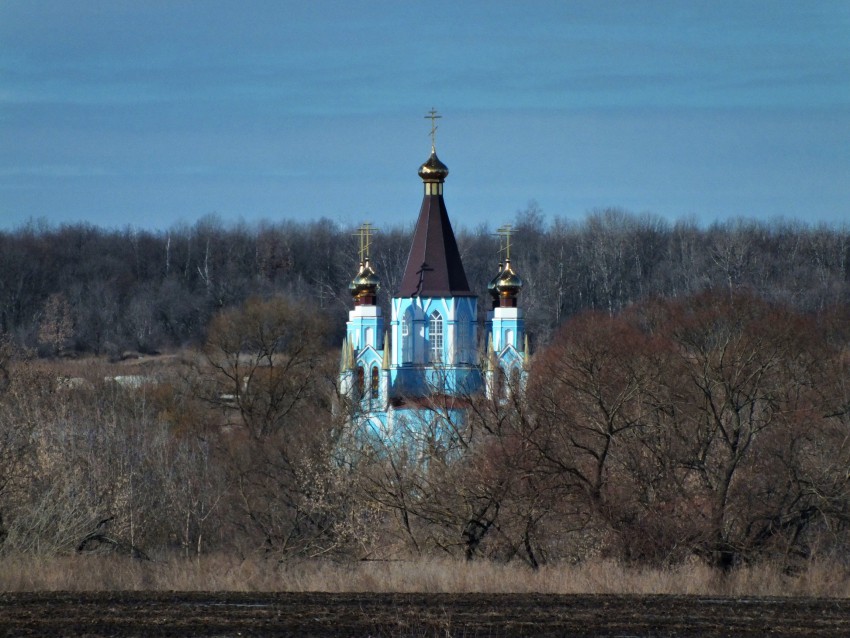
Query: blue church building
{"type": "Point", "coordinates": [415, 374]}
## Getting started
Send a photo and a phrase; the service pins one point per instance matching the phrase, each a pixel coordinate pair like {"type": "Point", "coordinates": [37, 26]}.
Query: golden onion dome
{"type": "Point", "coordinates": [508, 283]}
{"type": "Point", "coordinates": [433, 170]}
{"type": "Point", "coordinates": [365, 283]}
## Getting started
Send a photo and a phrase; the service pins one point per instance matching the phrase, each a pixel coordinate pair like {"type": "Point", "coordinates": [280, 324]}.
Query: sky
{"type": "Point", "coordinates": [159, 113]}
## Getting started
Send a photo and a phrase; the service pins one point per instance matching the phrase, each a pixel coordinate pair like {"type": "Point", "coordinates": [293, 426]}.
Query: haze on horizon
{"type": "Point", "coordinates": [151, 114]}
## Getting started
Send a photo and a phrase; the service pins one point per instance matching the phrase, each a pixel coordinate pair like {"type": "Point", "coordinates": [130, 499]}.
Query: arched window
{"type": "Point", "coordinates": [509, 337]}
{"type": "Point", "coordinates": [516, 381]}
{"type": "Point", "coordinates": [435, 337]}
{"type": "Point", "coordinates": [370, 337]}
{"type": "Point", "coordinates": [361, 381]}
{"type": "Point", "coordinates": [407, 337]}
{"type": "Point", "coordinates": [375, 386]}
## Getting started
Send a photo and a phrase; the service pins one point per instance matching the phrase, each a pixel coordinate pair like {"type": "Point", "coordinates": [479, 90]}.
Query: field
{"type": "Point", "coordinates": [100, 596]}
{"type": "Point", "coordinates": [94, 615]}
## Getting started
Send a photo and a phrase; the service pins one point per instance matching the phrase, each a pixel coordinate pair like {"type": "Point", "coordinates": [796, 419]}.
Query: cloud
{"type": "Point", "coordinates": [57, 170]}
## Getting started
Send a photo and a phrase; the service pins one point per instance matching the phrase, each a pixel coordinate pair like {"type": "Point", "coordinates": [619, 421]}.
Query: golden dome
{"type": "Point", "coordinates": [433, 170]}
{"type": "Point", "coordinates": [365, 284]}
{"type": "Point", "coordinates": [508, 283]}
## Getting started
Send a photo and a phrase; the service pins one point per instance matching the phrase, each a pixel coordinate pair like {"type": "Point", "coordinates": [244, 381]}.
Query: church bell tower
{"type": "Point", "coordinates": [434, 313]}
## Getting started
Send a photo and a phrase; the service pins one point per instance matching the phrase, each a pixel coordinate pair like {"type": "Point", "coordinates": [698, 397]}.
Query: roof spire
{"type": "Point", "coordinates": [385, 361]}
{"type": "Point", "coordinates": [343, 359]}
{"type": "Point", "coordinates": [434, 267]}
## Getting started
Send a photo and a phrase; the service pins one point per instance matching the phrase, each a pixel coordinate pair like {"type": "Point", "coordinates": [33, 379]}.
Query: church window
{"type": "Point", "coordinates": [407, 337]}
{"type": "Point", "coordinates": [375, 382]}
{"type": "Point", "coordinates": [370, 337]}
{"type": "Point", "coordinates": [463, 339]}
{"type": "Point", "coordinates": [361, 381]}
{"type": "Point", "coordinates": [509, 337]}
{"type": "Point", "coordinates": [435, 337]}
{"type": "Point", "coordinates": [516, 380]}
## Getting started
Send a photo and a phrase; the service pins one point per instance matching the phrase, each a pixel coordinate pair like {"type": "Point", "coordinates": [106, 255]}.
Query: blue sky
{"type": "Point", "coordinates": [158, 113]}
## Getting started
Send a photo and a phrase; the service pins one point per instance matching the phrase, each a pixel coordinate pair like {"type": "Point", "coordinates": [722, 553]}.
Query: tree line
{"type": "Point", "coordinates": [687, 398]}
{"type": "Point", "coordinates": [708, 427]}
{"type": "Point", "coordinates": [82, 289]}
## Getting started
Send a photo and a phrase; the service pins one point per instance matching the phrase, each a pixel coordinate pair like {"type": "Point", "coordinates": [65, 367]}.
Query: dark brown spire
{"type": "Point", "coordinates": [434, 268]}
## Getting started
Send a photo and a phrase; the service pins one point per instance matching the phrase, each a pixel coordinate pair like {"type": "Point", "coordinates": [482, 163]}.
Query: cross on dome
{"type": "Point", "coordinates": [432, 115]}
{"type": "Point", "coordinates": [364, 233]}
{"type": "Point", "coordinates": [505, 233]}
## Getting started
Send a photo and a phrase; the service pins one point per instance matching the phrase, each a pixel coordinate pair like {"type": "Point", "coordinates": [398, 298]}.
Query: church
{"type": "Point", "coordinates": [415, 376]}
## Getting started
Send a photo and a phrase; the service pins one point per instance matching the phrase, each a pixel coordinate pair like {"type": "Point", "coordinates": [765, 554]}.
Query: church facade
{"type": "Point", "coordinates": [414, 375]}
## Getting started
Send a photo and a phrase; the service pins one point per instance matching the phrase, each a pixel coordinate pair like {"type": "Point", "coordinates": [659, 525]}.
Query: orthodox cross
{"type": "Point", "coordinates": [421, 272]}
{"type": "Point", "coordinates": [432, 115]}
{"type": "Point", "coordinates": [364, 232]}
{"type": "Point", "coordinates": [505, 233]}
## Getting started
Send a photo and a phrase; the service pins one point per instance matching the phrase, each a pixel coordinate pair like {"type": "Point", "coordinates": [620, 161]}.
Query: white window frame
{"type": "Point", "coordinates": [435, 337]}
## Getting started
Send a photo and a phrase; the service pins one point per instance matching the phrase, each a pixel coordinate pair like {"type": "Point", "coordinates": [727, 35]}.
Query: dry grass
{"type": "Point", "coordinates": [218, 573]}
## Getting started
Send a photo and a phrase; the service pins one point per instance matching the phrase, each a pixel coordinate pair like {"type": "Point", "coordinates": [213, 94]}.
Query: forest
{"type": "Point", "coordinates": [687, 397]}
{"type": "Point", "coordinates": [82, 289]}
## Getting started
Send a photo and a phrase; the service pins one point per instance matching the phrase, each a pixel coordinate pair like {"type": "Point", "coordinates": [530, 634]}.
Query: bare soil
{"type": "Point", "coordinates": [318, 614]}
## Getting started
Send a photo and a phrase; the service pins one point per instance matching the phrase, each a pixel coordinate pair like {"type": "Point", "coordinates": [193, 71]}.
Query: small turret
{"type": "Point", "coordinates": [506, 339]}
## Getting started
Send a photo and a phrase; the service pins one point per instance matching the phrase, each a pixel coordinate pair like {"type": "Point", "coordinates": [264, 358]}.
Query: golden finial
{"type": "Point", "coordinates": [344, 363]}
{"type": "Point", "coordinates": [432, 115]}
{"type": "Point", "coordinates": [492, 363]}
{"type": "Point", "coordinates": [385, 361]}
{"type": "Point", "coordinates": [526, 355]}
{"type": "Point", "coordinates": [364, 232]}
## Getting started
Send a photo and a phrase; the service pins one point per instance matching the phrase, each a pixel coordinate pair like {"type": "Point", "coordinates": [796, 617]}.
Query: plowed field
{"type": "Point", "coordinates": [239, 614]}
